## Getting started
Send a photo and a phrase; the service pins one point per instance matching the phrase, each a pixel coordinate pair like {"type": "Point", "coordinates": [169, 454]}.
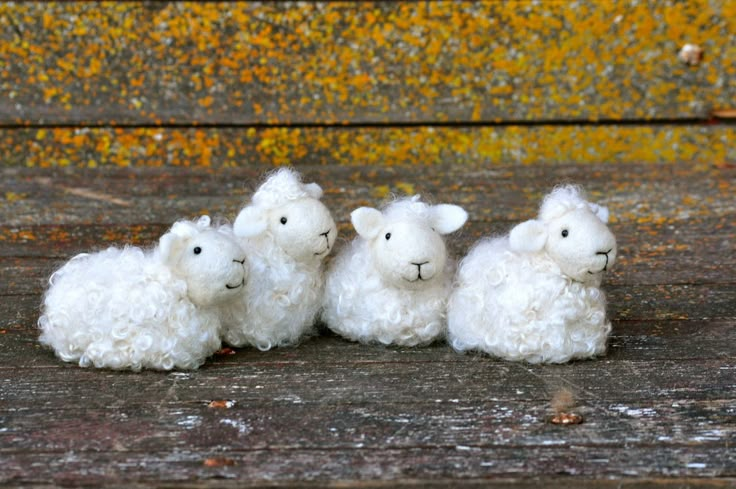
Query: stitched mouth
{"type": "Point", "coordinates": [232, 287]}
{"type": "Point", "coordinates": [419, 278]}
{"type": "Point", "coordinates": [605, 266]}
{"type": "Point", "coordinates": [327, 245]}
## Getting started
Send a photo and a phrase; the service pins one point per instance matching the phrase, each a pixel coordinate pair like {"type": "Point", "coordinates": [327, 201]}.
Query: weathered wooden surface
{"type": "Point", "coordinates": [117, 118]}
{"type": "Point", "coordinates": [638, 194]}
{"type": "Point", "coordinates": [659, 408]}
{"type": "Point", "coordinates": [358, 62]}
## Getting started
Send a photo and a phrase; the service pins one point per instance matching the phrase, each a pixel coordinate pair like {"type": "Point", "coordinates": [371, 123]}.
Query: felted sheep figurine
{"type": "Point", "coordinates": [287, 233]}
{"type": "Point", "coordinates": [535, 295]}
{"type": "Point", "coordinates": [390, 284]}
{"type": "Point", "coordinates": [129, 308]}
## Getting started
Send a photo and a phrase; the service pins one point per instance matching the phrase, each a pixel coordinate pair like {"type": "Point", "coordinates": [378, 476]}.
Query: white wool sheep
{"type": "Point", "coordinates": [390, 285]}
{"type": "Point", "coordinates": [535, 294]}
{"type": "Point", "coordinates": [128, 308]}
{"type": "Point", "coordinates": [287, 233]}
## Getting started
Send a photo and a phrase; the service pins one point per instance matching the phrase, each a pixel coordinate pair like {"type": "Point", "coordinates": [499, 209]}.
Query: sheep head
{"type": "Point", "coordinates": [405, 240]}
{"type": "Point", "coordinates": [292, 214]}
{"type": "Point", "coordinates": [572, 232]}
{"type": "Point", "coordinates": [209, 260]}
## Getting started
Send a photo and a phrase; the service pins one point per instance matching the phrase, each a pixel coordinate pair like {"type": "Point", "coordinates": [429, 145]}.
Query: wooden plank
{"type": "Point", "coordinates": [448, 178]}
{"type": "Point", "coordinates": [259, 426]}
{"type": "Point", "coordinates": [264, 466]}
{"type": "Point", "coordinates": [252, 378]}
{"type": "Point", "coordinates": [474, 146]}
{"type": "Point", "coordinates": [552, 482]}
{"type": "Point", "coordinates": [356, 62]}
{"type": "Point", "coordinates": [641, 194]}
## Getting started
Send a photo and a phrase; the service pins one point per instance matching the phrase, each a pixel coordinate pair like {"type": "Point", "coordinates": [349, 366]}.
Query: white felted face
{"type": "Point", "coordinates": [211, 262]}
{"type": "Point", "coordinates": [304, 229]}
{"type": "Point", "coordinates": [290, 211]}
{"type": "Point", "coordinates": [581, 244]}
{"type": "Point", "coordinates": [408, 252]}
{"type": "Point", "coordinates": [578, 241]}
{"type": "Point", "coordinates": [572, 231]}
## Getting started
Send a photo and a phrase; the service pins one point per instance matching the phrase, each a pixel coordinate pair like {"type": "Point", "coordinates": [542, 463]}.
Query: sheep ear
{"type": "Point", "coordinates": [250, 222]}
{"type": "Point", "coordinates": [170, 247]}
{"type": "Point", "coordinates": [600, 211]}
{"type": "Point", "coordinates": [313, 190]}
{"type": "Point", "coordinates": [204, 221]}
{"type": "Point", "coordinates": [172, 243]}
{"type": "Point", "coordinates": [367, 221]}
{"type": "Point", "coordinates": [447, 218]}
{"type": "Point", "coordinates": [529, 236]}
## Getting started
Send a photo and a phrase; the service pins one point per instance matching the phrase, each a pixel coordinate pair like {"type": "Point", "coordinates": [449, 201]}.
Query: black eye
{"type": "Point", "coordinates": [565, 232]}
{"type": "Point", "coordinates": [283, 220]}
{"type": "Point", "coordinates": [197, 250]}
{"type": "Point", "coordinates": [388, 236]}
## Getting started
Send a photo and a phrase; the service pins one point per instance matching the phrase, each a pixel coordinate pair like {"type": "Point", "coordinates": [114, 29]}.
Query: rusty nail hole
{"type": "Point", "coordinates": [691, 54]}
{"type": "Point", "coordinates": [221, 404]}
{"type": "Point", "coordinates": [218, 462]}
{"type": "Point", "coordinates": [566, 418]}
{"type": "Point", "coordinates": [562, 403]}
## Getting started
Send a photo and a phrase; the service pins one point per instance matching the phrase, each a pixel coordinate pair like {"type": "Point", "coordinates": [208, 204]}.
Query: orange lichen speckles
{"type": "Point", "coordinates": [58, 235]}
{"type": "Point", "coordinates": [136, 235]}
{"type": "Point", "coordinates": [213, 147]}
{"type": "Point", "coordinates": [17, 235]}
{"type": "Point", "coordinates": [362, 62]}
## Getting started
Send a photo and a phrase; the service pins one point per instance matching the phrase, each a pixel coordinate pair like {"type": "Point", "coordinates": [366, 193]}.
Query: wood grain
{"type": "Point", "coordinates": [253, 378]}
{"type": "Point", "coordinates": [267, 425]}
{"type": "Point", "coordinates": [386, 465]}
{"type": "Point", "coordinates": [635, 193]}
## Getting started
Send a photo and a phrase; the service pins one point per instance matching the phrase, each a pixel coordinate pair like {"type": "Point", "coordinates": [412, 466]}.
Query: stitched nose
{"type": "Point", "coordinates": [419, 266]}
{"type": "Point", "coordinates": [242, 262]}
{"type": "Point", "coordinates": [326, 235]}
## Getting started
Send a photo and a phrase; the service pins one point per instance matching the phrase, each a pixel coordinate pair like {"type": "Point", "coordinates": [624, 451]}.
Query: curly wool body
{"type": "Point", "coordinates": [535, 295]}
{"type": "Point", "coordinates": [390, 285]}
{"type": "Point", "coordinates": [281, 303]}
{"type": "Point", "coordinates": [287, 233]}
{"type": "Point", "coordinates": [126, 308]}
